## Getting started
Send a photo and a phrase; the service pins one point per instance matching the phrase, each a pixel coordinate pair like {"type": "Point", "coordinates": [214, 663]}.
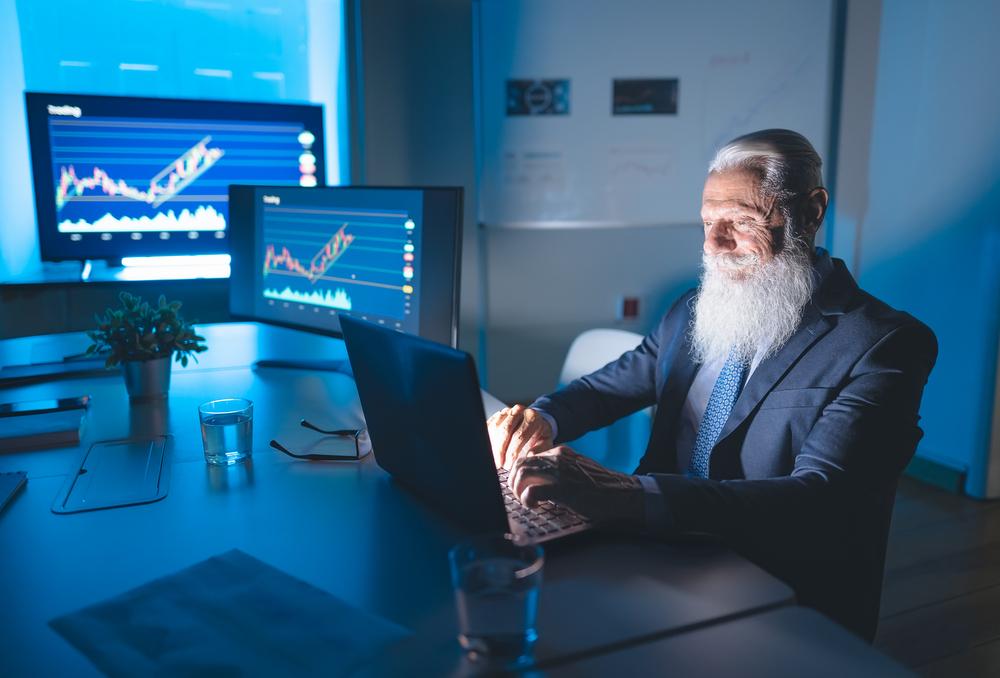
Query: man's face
{"type": "Point", "coordinates": [742, 228]}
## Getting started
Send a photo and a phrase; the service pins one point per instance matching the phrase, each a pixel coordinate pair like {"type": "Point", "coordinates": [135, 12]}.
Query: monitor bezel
{"type": "Point", "coordinates": [242, 202]}
{"type": "Point", "coordinates": [53, 247]}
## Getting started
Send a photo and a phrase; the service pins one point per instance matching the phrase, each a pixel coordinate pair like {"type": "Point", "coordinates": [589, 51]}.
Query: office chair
{"type": "Point", "coordinates": [619, 446]}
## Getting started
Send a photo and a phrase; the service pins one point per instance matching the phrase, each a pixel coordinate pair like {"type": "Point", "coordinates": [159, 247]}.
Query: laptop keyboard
{"type": "Point", "coordinates": [545, 519]}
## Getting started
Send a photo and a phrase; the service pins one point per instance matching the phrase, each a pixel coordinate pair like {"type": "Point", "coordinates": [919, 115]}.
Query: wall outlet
{"type": "Point", "coordinates": [628, 308]}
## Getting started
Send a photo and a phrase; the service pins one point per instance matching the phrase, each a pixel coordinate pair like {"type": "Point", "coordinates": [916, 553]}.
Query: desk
{"type": "Point", "coordinates": [344, 527]}
{"type": "Point", "coordinates": [787, 642]}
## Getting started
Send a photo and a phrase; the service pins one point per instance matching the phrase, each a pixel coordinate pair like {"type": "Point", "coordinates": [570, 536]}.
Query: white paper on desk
{"type": "Point", "coordinates": [229, 615]}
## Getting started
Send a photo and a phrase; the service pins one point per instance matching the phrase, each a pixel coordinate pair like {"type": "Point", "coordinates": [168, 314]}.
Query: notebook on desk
{"type": "Point", "coordinates": [42, 424]}
{"type": "Point", "coordinates": [425, 416]}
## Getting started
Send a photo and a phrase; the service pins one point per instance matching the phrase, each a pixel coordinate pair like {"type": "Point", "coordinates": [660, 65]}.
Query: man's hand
{"type": "Point", "coordinates": [566, 477]}
{"type": "Point", "coordinates": [515, 431]}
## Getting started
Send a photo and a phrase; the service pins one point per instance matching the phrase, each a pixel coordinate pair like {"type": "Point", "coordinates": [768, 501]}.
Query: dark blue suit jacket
{"type": "Point", "coordinates": [803, 476]}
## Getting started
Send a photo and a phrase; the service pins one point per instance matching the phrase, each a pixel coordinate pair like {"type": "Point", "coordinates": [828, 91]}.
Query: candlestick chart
{"type": "Point", "coordinates": [177, 175]}
{"type": "Point", "coordinates": [357, 260]}
{"type": "Point", "coordinates": [141, 175]}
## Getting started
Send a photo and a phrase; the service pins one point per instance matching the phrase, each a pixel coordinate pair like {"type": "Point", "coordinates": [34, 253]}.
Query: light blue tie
{"type": "Point", "coordinates": [724, 394]}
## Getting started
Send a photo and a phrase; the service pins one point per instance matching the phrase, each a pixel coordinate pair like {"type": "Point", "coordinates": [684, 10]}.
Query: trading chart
{"type": "Point", "coordinates": [352, 259]}
{"type": "Point", "coordinates": [165, 178]}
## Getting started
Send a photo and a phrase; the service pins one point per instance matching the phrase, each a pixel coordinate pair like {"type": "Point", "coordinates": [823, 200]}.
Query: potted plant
{"type": "Point", "coordinates": [142, 339]}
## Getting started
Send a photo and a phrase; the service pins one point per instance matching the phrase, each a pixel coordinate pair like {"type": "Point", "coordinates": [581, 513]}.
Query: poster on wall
{"type": "Point", "coordinates": [644, 96]}
{"type": "Point", "coordinates": [538, 97]}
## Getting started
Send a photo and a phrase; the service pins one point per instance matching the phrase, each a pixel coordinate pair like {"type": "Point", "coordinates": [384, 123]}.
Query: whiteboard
{"type": "Point", "coordinates": [741, 66]}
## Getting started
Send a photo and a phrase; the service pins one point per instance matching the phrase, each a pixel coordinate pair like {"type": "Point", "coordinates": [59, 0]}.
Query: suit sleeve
{"type": "Point", "coordinates": [621, 387]}
{"type": "Point", "coordinates": [860, 444]}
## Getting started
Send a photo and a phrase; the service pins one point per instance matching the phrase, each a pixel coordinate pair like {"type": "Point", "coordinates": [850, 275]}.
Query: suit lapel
{"type": "Point", "coordinates": [680, 374]}
{"type": "Point", "coordinates": [772, 369]}
{"type": "Point", "coordinates": [677, 370]}
{"type": "Point", "coordinates": [677, 373]}
{"type": "Point", "coordinates": [835, 294]}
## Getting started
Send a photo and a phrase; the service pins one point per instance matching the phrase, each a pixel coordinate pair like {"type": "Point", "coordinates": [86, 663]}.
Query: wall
{"type": "Point", "coordinates": [238, 49]}
{"type": "Point", "coordinates": [412, 89]}
{"type": "Point", "coordinates": [917, 214]}
{"type": "Point", "coordinates": [546, 286]}
{"type": "Point", "coordinates": [18, 240]}
{"type": "Point", "coordinates": [849, 202]}
{"type": "Point", "coordinates": [993, 470]}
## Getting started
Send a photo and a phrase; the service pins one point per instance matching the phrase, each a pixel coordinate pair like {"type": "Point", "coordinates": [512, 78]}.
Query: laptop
{"type": "Point", "coordinates": [427, 425]}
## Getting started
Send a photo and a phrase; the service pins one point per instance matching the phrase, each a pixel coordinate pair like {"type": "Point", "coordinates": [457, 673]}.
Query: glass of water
{"type": "Point", "coordinates": [497, 581]}
{"type": "Point", "coordinates": [226, 430]}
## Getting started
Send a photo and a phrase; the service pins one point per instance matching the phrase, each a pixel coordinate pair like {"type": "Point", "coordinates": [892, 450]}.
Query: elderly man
{"type": "Point", "coordinates": [786, 397]}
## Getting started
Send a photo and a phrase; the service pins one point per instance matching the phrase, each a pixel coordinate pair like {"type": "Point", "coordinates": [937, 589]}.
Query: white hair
{"type": "Point", "coordinates": [755, 315]}
{"type": "Point", "coordinates": [785, 162]}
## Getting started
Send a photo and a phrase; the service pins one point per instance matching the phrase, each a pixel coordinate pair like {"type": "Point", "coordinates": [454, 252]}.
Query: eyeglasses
{"type": "Point", "coordinates": [359, 438]}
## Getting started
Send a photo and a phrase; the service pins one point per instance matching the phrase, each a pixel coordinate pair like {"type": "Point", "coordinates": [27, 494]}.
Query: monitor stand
{"type": "Point", "coordinates": [343, 366]}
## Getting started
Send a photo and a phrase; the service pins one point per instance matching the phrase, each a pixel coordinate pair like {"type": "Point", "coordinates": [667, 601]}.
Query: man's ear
{"type": "Point", "coordinates": [814, 209]}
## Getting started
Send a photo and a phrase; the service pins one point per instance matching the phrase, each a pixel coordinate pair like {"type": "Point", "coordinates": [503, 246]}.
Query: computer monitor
{"type": "Point", "coordinates": [303, 257]}
{"type": "Point", "coordinates": [119, 177]}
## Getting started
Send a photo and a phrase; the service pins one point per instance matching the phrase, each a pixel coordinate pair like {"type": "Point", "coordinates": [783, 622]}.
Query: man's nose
{"type": "Point", "coordinates": [718, 240]}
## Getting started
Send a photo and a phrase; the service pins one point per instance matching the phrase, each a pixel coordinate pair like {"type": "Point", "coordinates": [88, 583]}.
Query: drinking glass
{"type": "Point", "coordinates": [226, 430]}
{"type": "Point", "coordinates": [497, 581]}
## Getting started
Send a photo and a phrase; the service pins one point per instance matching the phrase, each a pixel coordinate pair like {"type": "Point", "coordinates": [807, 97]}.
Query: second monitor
{"type": "Point", "coordinates": [302, 257]}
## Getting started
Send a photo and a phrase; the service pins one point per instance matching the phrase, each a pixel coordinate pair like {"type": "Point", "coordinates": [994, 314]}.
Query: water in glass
{"type": "Point", "coordinates": [497, 610]}
{"type": "Point", "coordinates": [227, 437]}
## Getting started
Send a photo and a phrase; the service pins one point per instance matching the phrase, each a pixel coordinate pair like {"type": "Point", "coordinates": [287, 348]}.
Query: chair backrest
{"type": "Point", "coordinates": [620, 445]}
{"type": "Point", "coordinates": [594, 349]}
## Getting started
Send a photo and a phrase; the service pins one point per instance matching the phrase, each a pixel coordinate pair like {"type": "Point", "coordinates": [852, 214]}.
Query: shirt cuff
{"type": "Point", "coordinates": [550, 419]}
{"type": "Point", "coordinates": [658, 518]}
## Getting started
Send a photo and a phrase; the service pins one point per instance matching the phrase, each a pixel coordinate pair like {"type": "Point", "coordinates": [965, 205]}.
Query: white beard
{"type": "Point", "coordinates": [754, 314]}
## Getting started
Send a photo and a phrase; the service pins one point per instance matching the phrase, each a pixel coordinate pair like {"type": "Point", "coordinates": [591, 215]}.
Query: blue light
{"type": "Point", "coordinates": [290, 51]}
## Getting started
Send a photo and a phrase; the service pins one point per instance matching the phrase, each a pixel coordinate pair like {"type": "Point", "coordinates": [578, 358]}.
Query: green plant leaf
{"type": "Point", "coordinates": [138, 330]}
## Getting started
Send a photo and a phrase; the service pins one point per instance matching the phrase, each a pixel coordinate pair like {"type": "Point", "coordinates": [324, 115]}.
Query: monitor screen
{"type": "Point", "coordinates": [125, 176]}
{"type": "Point", "coordinates": [303, 257]}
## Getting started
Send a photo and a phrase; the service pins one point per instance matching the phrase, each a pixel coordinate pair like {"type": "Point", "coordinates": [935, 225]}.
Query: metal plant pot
{"type": "Point", "coordinates": [147, 379]}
